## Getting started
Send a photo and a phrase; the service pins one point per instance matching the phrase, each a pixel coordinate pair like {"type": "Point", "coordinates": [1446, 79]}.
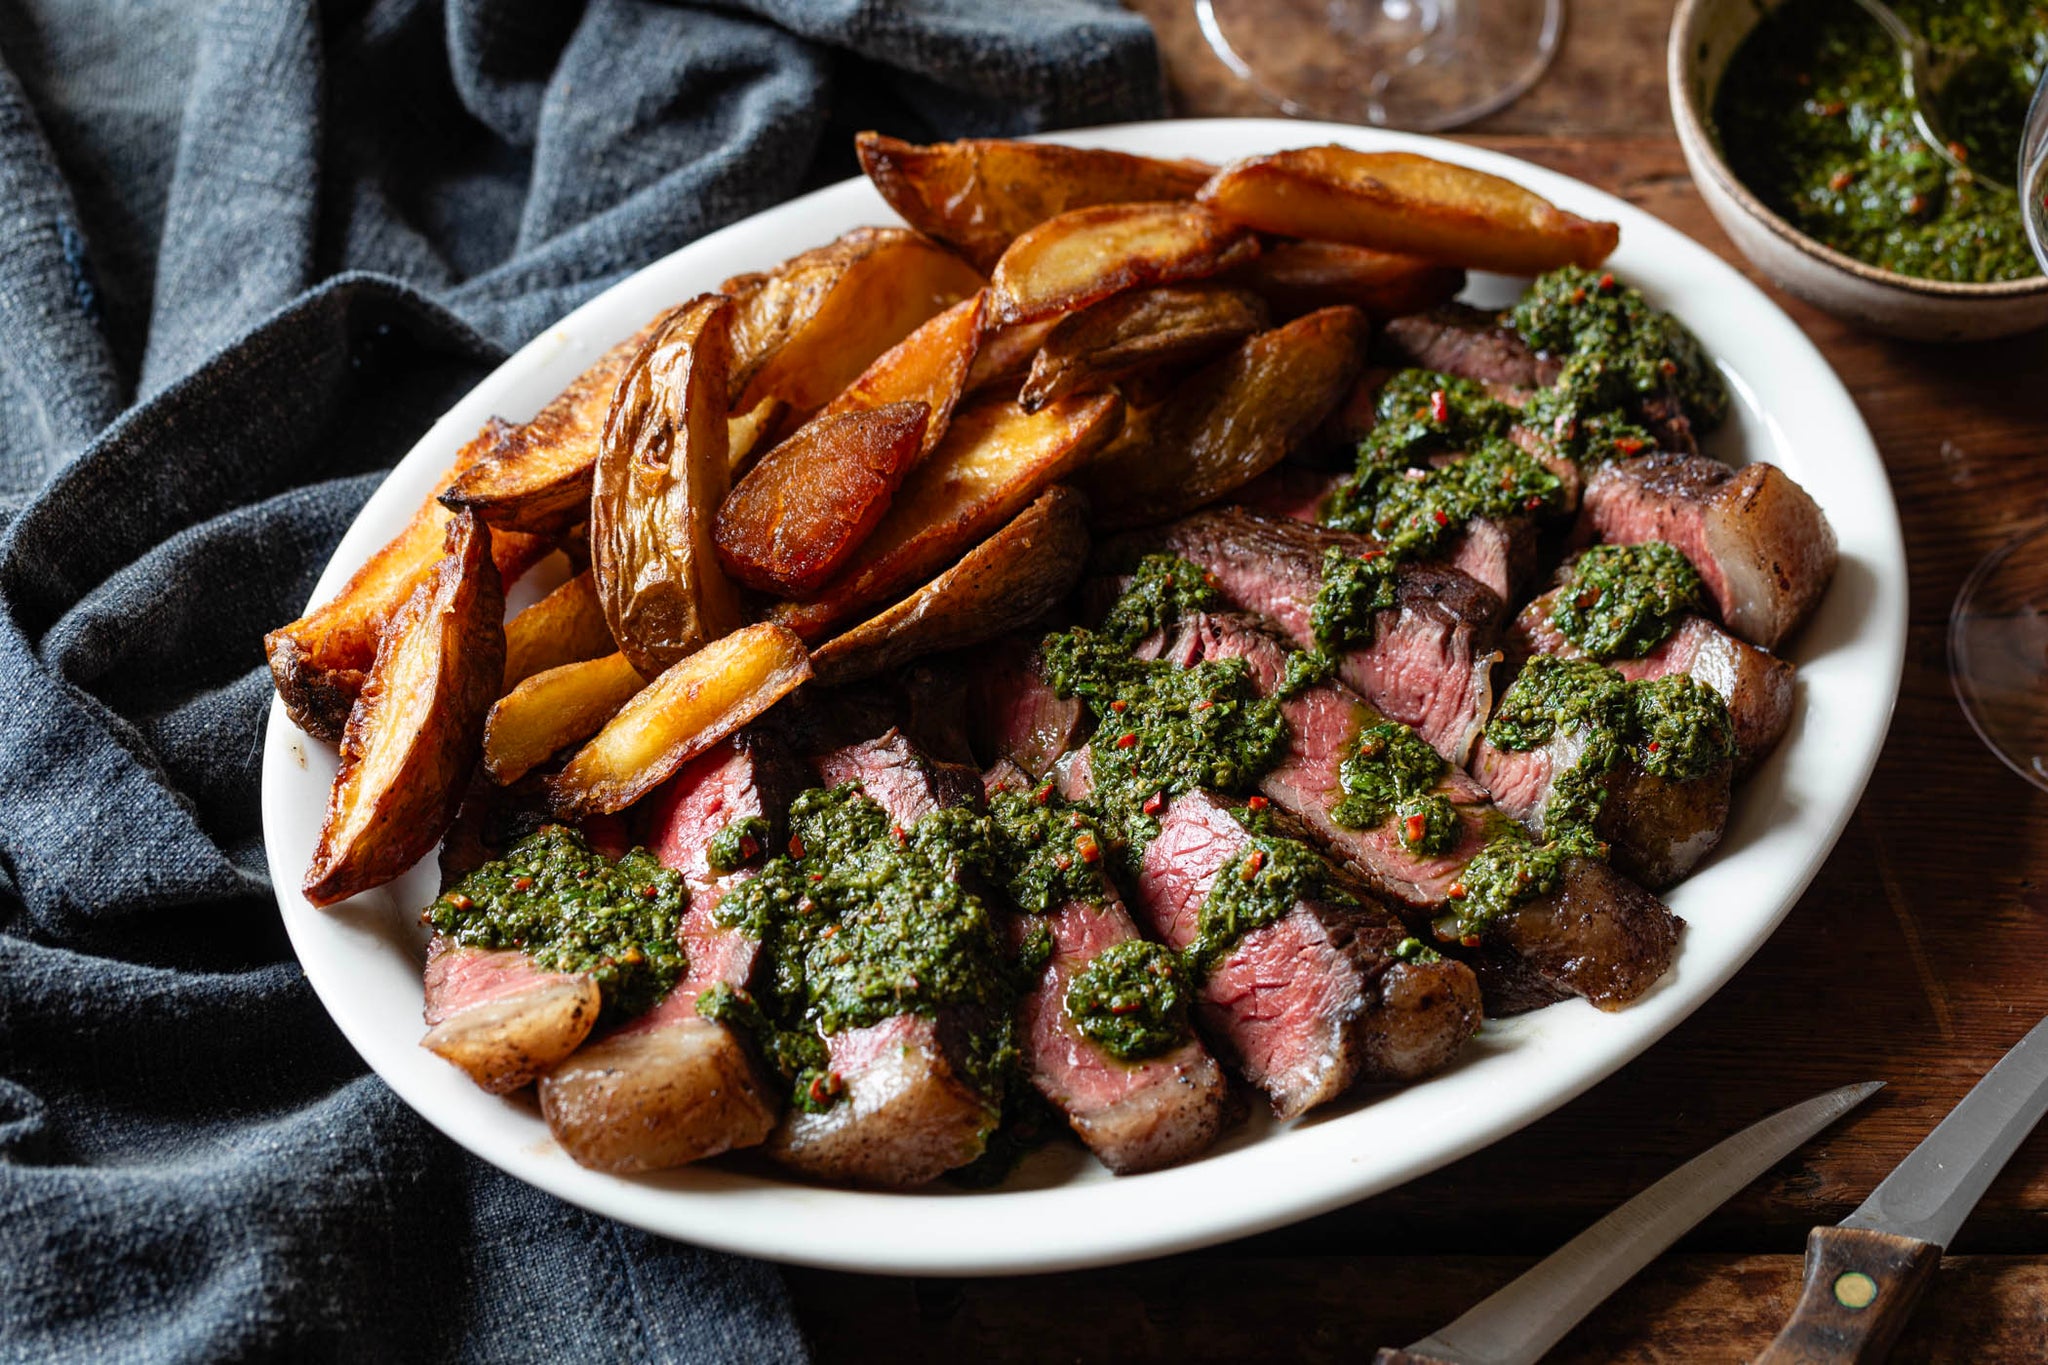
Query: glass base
{"type": "Point", "coordinates": [1423, 65]}
{"type": "Point", "coordinates": [1998, 653]}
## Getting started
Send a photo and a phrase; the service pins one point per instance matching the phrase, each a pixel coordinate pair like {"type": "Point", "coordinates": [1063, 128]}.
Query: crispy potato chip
{"type": "Point", "coordinates": [1300, 277]}
{"type": "Point", "coordinates": [318, 662]}
{"type": "Point", "coordinates": [414, 732]}
{"type": "Point", "coordinates": [930, 366]}
{"type": "Point", "coordinates": [1398, 201]}
{"type": "Point", "coordinates": [662, 471]}
{"type": "Point", "coordinates": [565, 627]}
{"type": "Point", "coordinates": [535, 477]}
{"type": "Point", "coordinates": [1132, 333]}
{"type": "Point", "coordinates": [805, 330]}
{"type": "Point", "coordinates": [554, 709]}
{"type": "Point", "coordinates": [1009, 580]}
{"type": "Point", "coordinates": [680, 714]}
{"type": "Point", "coordinates": [812, 500]}
{"type": "Point", "coordinates": [1229, 422]}
{"type": "Point", "coordinates": [980, 194]}
{"type": "Point", "coordinates": [993, 463]}
{"type": "Point", "coordinates": [1088, 254]}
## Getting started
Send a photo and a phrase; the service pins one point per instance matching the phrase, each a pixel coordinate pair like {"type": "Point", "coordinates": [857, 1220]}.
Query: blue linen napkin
{"type": "Point", "coordinates": [248, 251]}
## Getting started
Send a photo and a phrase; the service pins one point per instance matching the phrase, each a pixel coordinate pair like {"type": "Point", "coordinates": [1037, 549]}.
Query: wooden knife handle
{"type": "Point", "coordinates": [1860, 1288]}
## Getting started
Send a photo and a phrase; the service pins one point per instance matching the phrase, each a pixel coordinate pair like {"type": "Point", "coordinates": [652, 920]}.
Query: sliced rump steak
{"type": "Point", "coordinates": [1307, 1005]}
{"type": "Point", "coordinates": [1013, 713]}
{"type": "Point", "coordinates": [1601, 913]}
{"type": "Point", "coordinates": [908, 1111]}
{"type": "Point", "coordinates": [1431, 653]}
{"type": "Point", "coordinates": [672, 1087]}
{"type": "Point", "coordinates": [1756, 684]}
{"type": "Point", "coordinates": [1761, 545]}
{"type": "Point", "coordinates": [1467, 343]}
{"type": "Point", "coordinates": [503, 1020]}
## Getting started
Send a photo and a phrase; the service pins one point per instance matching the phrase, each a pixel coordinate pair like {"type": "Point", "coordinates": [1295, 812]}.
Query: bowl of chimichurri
{"type": "Point", "coordinates": [1797, 130]}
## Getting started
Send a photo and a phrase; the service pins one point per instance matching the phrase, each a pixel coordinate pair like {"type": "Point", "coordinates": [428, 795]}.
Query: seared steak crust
{"type": "Point", "coordinates": [1762, 547]}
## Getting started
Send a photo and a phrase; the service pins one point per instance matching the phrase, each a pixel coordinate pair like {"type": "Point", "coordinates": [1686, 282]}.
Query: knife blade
{"type": "Point", "coordinates": [1526, 1318]}
{"type": "Point", "coordinates": [1864, 1274]}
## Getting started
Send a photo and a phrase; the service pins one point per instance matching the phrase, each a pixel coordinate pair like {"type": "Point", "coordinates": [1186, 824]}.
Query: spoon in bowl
{"type": "Point", "coordinates": [1923, 81]}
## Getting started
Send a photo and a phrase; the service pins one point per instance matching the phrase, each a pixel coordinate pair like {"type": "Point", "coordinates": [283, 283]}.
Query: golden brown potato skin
{"type": "Point", "coordinates": [801, 512]}
{"type": "Point", "coordinates": [1300, 277]}
{"type": "Point", "coordinates": [1133, 333]}
{"type": "Point", "coordinates": [507, 1039]}
{"type": "Point", "coordinates": [806, 329]}
{"type": "Point", "coordinates": [319, 661]}
{"type": "Point", "coordinates": [978, 195]}
{"type": "Point", "coordinates": [535, 477]}
{"type": "Point", "coordinates": [663, 468]}
{"type": "Point", "coordinates": [993, 464]}
{"type": "Point", "coordinates": [1401, 202]}
{"type": "Point", "coordinates": [553, 709]}
{"type": "Point", "coordinates": [695, 704]}
{"type": "Point", "coordinates": [1009, 580]}
{"type": "Point", "coordinates": [565, 627]}
{"type": "Point", "coordinates": [646, 1099]}
{"type": "Point", "coordinates": [412, 739]}
{"type": "Point", "coordinates": [930, 366]}
{"type": "Point", "coordinates": [1229, 422]}
{"type": "Point", "coordinates": [1086, 255]}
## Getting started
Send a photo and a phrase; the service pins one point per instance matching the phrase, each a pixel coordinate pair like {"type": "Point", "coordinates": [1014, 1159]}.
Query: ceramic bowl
{"type": "Point", "coordinates": [1704, 34]}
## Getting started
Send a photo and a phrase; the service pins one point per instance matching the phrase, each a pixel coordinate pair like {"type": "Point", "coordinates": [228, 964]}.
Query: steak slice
{"type": "Point", "coordinates": [1756, 684]}
{"type": "Point", "coordinates": [670, 1086]}
{"type": "Point", "coordinates": [1135, 1116]}
{"type": "Point", "coordinates": [1013, 713]}
{"type": "Point", "coordinates": [1602, 913]}
{"type": "Point", "coordinates": [1761, 545]}
{"type": "Point", "coordinates": [500, 1018]}
{"type": "Point", "coordinates": [1499, 554]}
{"type": "Point", "coordinates": [1429, 661]}
{"type": "Point", "coordinates": [908, 1111]}
{"type": "Point", "coordinates": [1307, 1005]}
{"type": "Point", "coordinates": [1468, 343]}
{"type": "Point", "coordinates": [1657, 829]}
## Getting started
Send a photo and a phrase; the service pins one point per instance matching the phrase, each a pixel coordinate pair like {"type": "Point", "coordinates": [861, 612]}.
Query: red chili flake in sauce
{"type": "Point", "coordinates": [1254, 860]}
{"type": "Point", "coordinates": [1090, 851]}
{"type": "Point", "coordinates": [1456, 891]}
{"type": "Point", "coordinates": [1204, 704]}
{"type": "Point", "coordinates": [650, 892]}
{"type": "Point", "coordinates": [1370, 554]}
{"type": "Point", "coordinates": [896, 833]}
{"type": "Point", "coordinates": [826, 1087]}
{"type": "Point", "coordinates": [1606, 282]}
{"type": "Point", "coordinates": [1959, 152]}
{"type": "Point", "coordinates": [1440, 517]}
{"type": "Point", "coordinates": [1533, 503]}
{"type": "Point", "coordinates": [1668, 366]}
{"type": "Point", "coordinates": [816, 876]}
{"type": "Point", "coordinates": [1841, 180]}
{"type": "Point", "coordinates": [1439, 406]}
{"type": "Point", "coordinates": [796, 847]}
{"type": "Point", "coordinates": [1155, 803]}
{"type": "Point", "coordinates": [1062, 862]}
{"type": "Point", "coordinates": [1917, 205]}
{"type": "Point", "coordinates": [522, 883]}
{"type": "Point", "coordinates": [1629, 445]}
{"type": "Point", "coordinates": [1044, 795]}
{"type": "Point", "coordinates": [1416, 826]}
{"type": "Point", "coordinates": [1119, 705]}
{"type": "Point", "coordinates": [1587, 599]}
{"type": "Point", "coordinates": [1126, 1006]}
{"type": "Point", "coordinates": [461, 902]}
{"type": "Point", "coordinates": [750, 848]}
{"type": "Point", "coordinates": [1653, 746]}
{"type": "Point", "coordinates": [1126, 740]}
{"type": "Point", "coordinates": [1470, 940]}
{"type": "Point", "coordinates": [1257, 803]}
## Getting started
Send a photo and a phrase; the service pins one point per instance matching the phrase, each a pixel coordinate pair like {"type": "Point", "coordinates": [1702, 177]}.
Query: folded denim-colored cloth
{"type": "Point", "coordinates": [248, 251]}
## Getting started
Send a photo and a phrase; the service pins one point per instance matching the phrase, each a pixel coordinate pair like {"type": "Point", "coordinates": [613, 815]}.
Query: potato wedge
{"type": "Point", "coordinates": [662, 470]}
{"type": "Point", "coordinates": [746, 433]}
{"type": "Point", "coordinates": [501, 1019]}
{"type": "Point", "coordinates": [994, 462]}
{"type": "Point", "coordinates": [565, 627]}
{"type": "Point", "coordinates": [319, 661]}
{"type": "Point", "coordinates": [802, 512]}
{"type": "Point", "coordinates": [1398, 201]}
{"type": "Point", "coordinates": [1088, 254]}
{"type": "Point", "coordinates": [930, 366]}
{"type": "Point", "coordinates": [1005, 354]}
{"type": "Point", "coordinates": [679, 715]}
{"type": "Point", "coordinates": [1142, 330]}
{"type": "Point", "coordinates": [1228, 422]}
{"type": "Point", "coordinates": [1300, 277]}
{"type": "Point", "coordinates": [807, 329]}
{"type": "Point", "coordinates": [978, 195]}
{"type": "Point", "coordinates": [536, 476]}
{"type": "Point", "coordinates": [1007, 581]}
{"type": "Point", "coordinates": [554, 709]}
{"type": "Point", "coordinates": [414, 732]}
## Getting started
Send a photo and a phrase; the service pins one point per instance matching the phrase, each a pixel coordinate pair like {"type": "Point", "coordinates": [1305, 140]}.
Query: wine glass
{"type": "Point", "coordinates": [1998, 631]}
{"type": "Point", "coordinates": [1423, 65]}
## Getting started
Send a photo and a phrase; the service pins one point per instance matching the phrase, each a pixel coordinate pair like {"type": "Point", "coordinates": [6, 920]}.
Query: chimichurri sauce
{"type": "Point", "coordinates": [1811, 116]}
{"type": "Point", "coordinates": [1622, 601]}
{"type": "Point", "coordinates": [571, 909]}
{"type": "Point", "coordinates": [1131, 1000]}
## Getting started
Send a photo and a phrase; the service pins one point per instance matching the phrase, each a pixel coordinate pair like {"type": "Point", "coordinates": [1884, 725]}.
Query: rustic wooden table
{"type": "Point", "coordinates": [1917, 957]}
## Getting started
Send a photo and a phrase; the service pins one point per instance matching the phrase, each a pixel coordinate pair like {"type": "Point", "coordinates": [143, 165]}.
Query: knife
{"type": "Point", "coordinates": [1525, 1319]}
{"type": "Point", "coordinates": [1863, 1275]}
